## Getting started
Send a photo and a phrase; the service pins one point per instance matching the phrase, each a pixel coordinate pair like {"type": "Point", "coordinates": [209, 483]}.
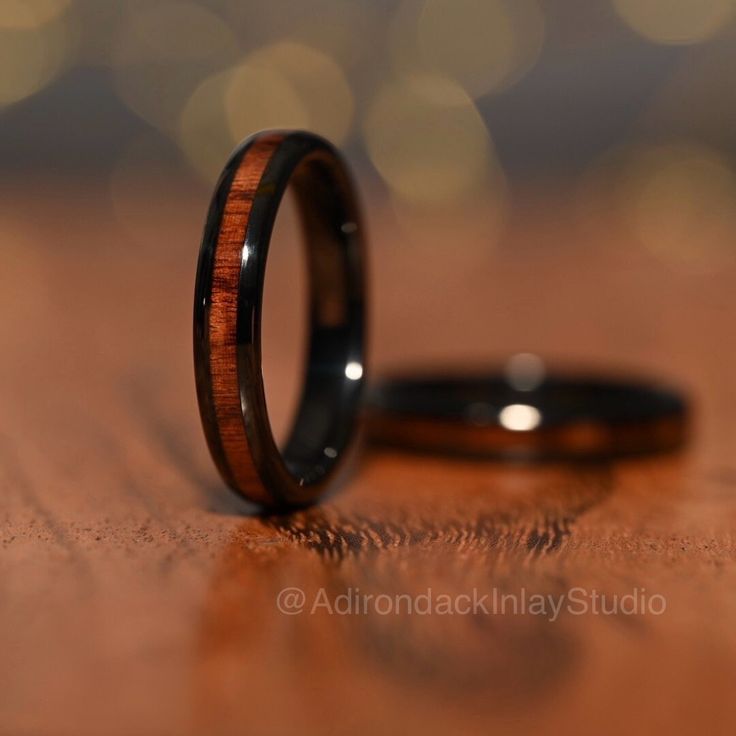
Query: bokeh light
{"type": "Point", "coordinates": [156, 67]}
{"type": "Point", "coordinates": [678, 198]}
{"type": "Point", "coordinates": [428, 141]}
{"type": "Point", "coordinates": [345, 31]}
{"type": "Point", "coordinates": [203, 133]}
{"type": "Point", "coordinates": [519, 417]}
{"type": "Point", "coordinates": [28, 14]}
{"type": "Point", "coordinates": [257, 98]}
{"type": "Point", "coordinates": [35, 47]}
{"type": "Point", "coordinates": [676, 21]}
{"type": "Point", "coordinates": [525, 371]}
{"type": "Point", "coordinates": [320, 96]}
{"type": "Point", "coordinates": [285, 85]}
{"type": "Point", "coordinates": [484, 46]}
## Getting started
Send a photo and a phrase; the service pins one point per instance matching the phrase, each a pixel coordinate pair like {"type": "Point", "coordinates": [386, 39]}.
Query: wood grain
{"type": "Point", "coordinates": [223, 314]}
{"type": "Point", "coordinates": [138, 594]}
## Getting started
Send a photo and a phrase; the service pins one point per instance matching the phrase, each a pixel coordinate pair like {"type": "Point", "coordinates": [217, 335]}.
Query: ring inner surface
{"type": "Point", "coordinates": [326, 412]}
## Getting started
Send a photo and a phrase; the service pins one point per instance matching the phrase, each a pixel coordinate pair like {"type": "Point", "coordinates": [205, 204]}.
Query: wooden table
{"type": "Point", "coordinates": [139, 596]}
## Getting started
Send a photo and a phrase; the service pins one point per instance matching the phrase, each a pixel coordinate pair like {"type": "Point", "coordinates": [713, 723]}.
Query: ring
{"type": "Point", "coordinates": [227, 318]}
{"type": "Point", "coordinates": [558, 418]}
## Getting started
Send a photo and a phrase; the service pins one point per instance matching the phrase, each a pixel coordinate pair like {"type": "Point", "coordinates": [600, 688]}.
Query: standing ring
{"type": "Point", "coordinates": [227, 318]}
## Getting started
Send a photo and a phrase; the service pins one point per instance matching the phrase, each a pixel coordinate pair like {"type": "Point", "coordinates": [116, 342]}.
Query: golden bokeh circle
{"type": "Point", "coordinates": [155, 69]}
{"type": "Point", "coordinates": [678, 200]}
{"type": "Point", "coordinates": [675, 21]}
{"type": "Point", "coordinates": [289, 85]}
{"type": "Point", "coordinates": [202, 131]}
{"type": "Point", "coordinates": [284, 85]}
{"type": "Point", "coordinates": [28, 14]}
{"type": "Point", "coordinates": [428, 141]}
{"type": "Point", "coordinates": [31, 56]}
{"type": "Point", "coordinates": [484, 46]}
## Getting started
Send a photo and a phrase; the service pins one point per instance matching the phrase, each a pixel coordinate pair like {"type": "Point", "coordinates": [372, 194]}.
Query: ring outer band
{"type": "Point", "coordinates": [228, 307]}
{"type": "Point", "coordinates": [583, 417]}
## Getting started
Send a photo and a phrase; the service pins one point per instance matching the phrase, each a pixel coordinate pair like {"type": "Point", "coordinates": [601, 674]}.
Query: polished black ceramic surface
{"type": "Point", "coordinates": [334, 371]}
{"type": "Point", "coordinates": [493, 414]}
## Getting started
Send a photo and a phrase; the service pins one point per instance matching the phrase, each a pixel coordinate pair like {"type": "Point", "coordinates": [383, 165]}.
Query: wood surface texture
{"type": "Point", "coordinates": [138, 594]}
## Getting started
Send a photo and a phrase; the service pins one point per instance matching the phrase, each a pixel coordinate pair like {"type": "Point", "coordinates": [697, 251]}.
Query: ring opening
{"type": "Point", "coordinates": [284, 320]}
{"type": "Point", "coordinates": [325, 418]}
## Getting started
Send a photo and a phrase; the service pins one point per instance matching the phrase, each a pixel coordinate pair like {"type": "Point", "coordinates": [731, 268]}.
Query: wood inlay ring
{"type": "Point", "coordinates": [564, 417]}
{"type": "Point", "coordinates": [227, 318]}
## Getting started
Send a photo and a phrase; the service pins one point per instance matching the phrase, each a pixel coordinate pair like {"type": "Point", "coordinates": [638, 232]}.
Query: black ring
{"type": "Point", "coordinates": [562, 417]}
{"type": "Point", "coordinates": [227, 318]}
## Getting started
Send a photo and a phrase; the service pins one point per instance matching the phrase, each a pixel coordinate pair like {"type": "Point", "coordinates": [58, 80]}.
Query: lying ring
{"type": "Point", "coordinates": [227, 318]}
{"type": "Point", "coordinates": [561, 417]}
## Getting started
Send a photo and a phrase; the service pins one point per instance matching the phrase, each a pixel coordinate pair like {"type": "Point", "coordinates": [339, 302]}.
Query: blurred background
{"type": "Point", "coordinates": [439, 103]}
{"type": "Point", "coordinates": [558, 177]}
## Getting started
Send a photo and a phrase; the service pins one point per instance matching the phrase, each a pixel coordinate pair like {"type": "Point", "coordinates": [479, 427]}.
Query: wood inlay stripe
{"type": "Point", "coordinates": [224, 314]}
